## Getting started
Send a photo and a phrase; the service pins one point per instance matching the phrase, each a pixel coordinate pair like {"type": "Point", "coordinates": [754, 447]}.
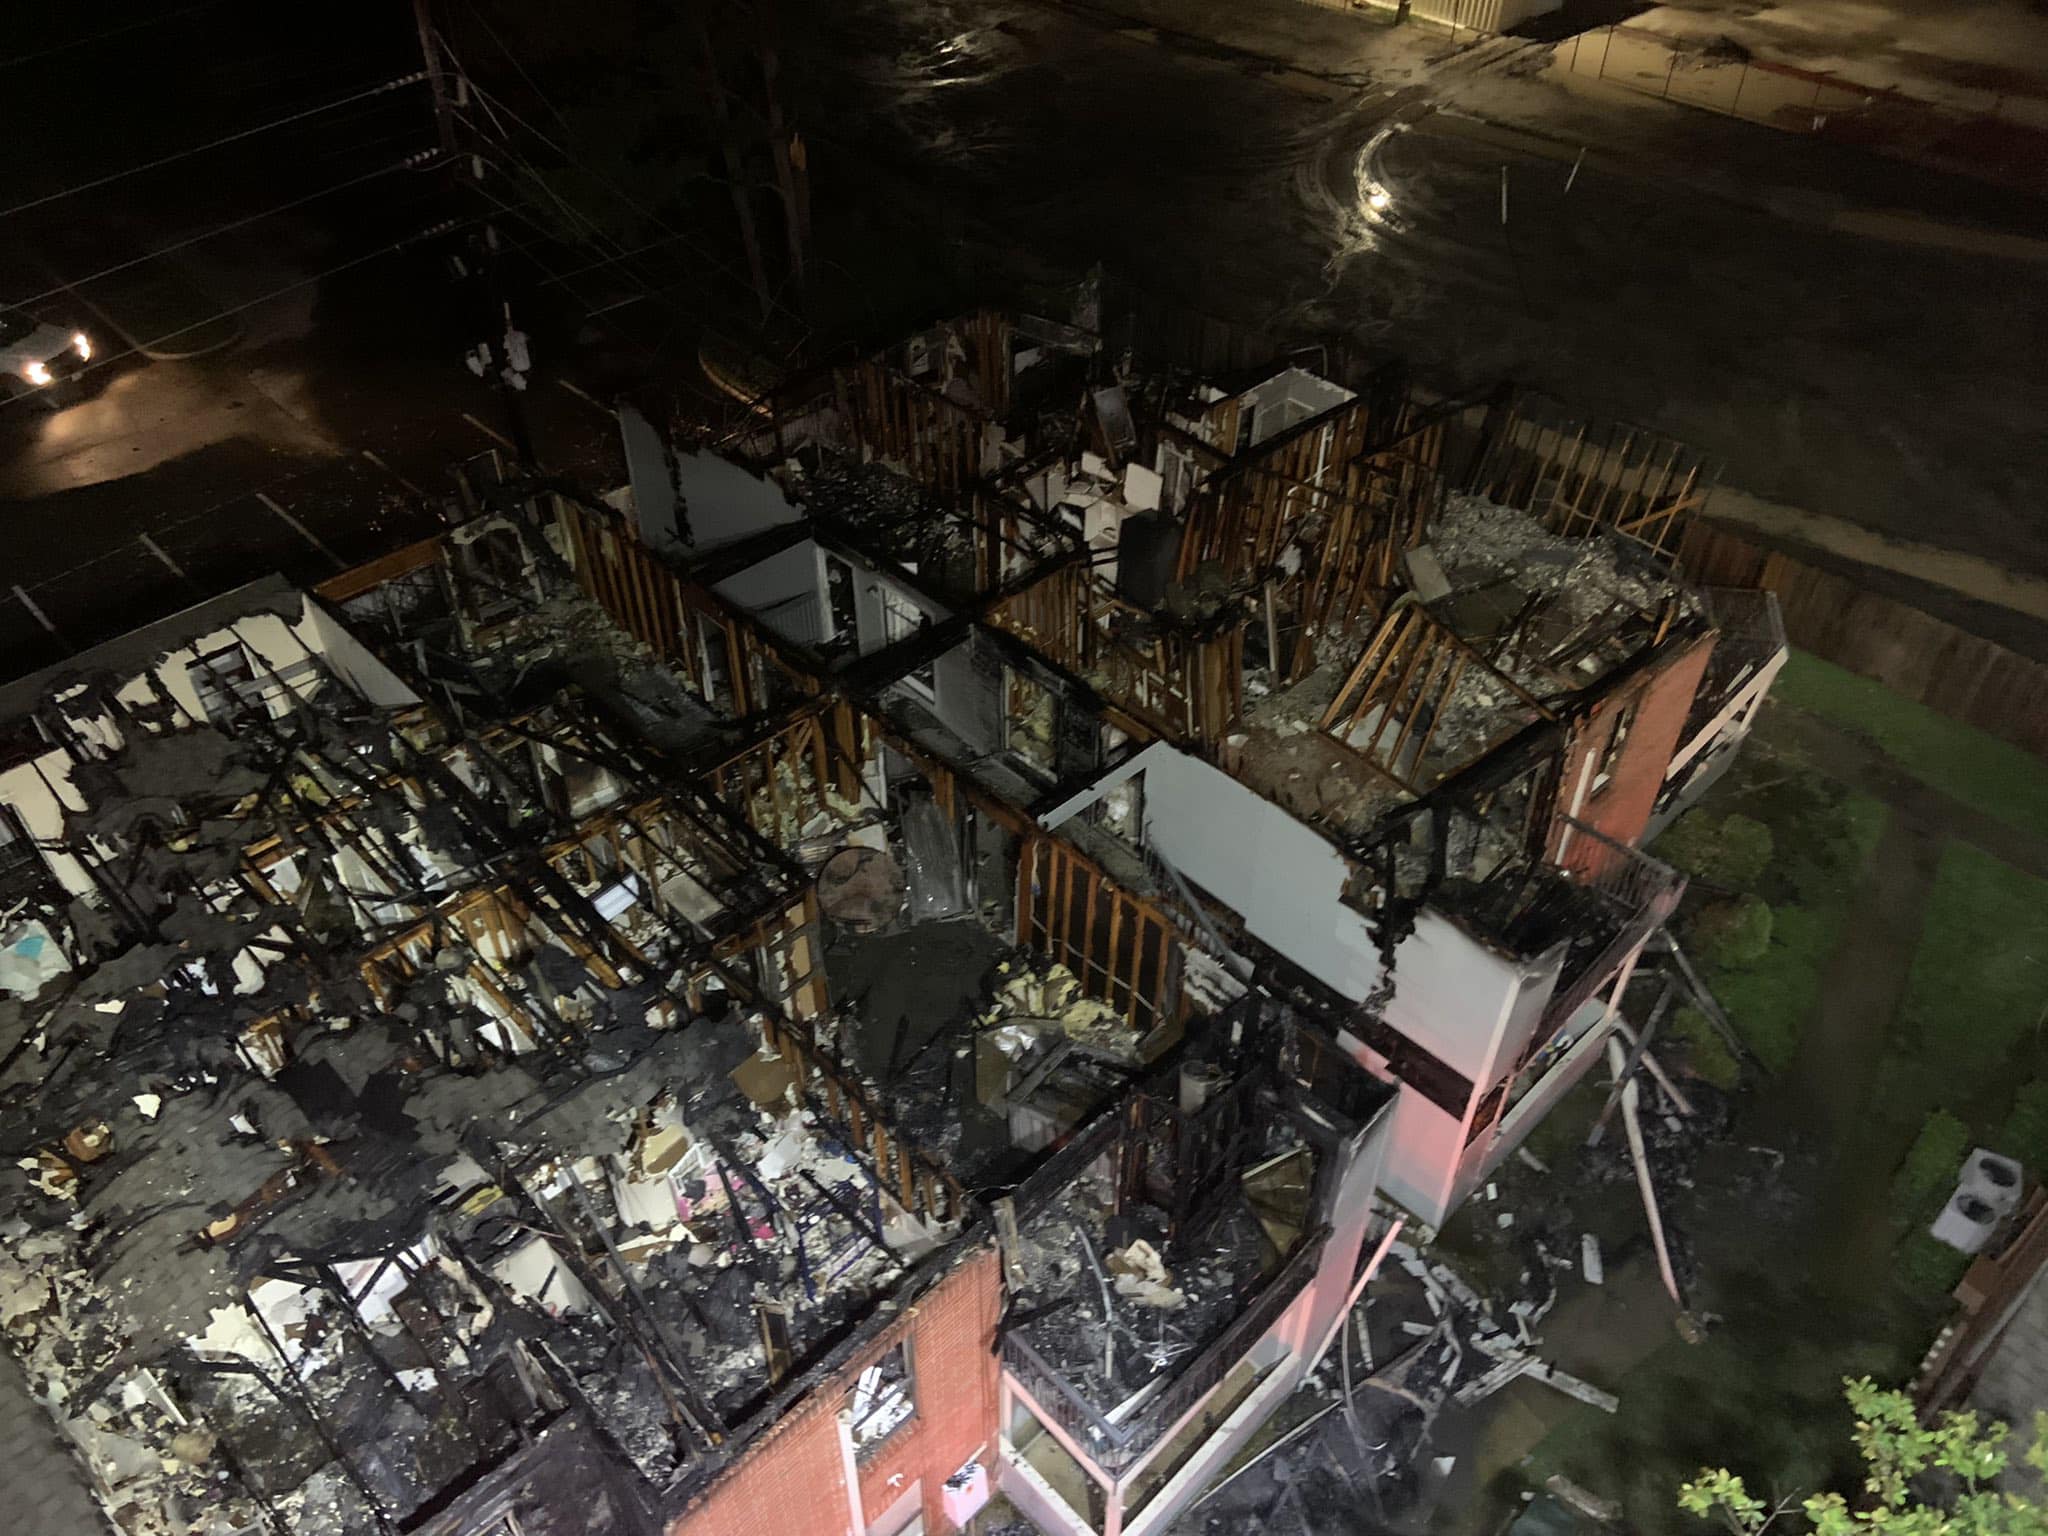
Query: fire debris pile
{"type": "Point", "coordinates": [1099, 1302]}
{"type": "Point", "coordinates": [1426, 1344]}
{"type": "Point", "coordinates": [395, 1093]}
{"type": "Point", "coordinates": [499, 1071]}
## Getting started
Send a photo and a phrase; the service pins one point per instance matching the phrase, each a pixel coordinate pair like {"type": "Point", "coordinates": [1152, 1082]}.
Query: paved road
{"type": "Point", "coordinates": [299, 452]}
{"type": "Point", "coordinates": [1690, 278]}
{"type": "Point", "coordinates": [47, 1492]}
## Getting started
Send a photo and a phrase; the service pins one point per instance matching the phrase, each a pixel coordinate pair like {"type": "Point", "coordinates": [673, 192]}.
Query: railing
{"type": "Point", "coordinates": [1050, 1179]}
{"type": "Point", "coordinates": [1644, 889]}
{"type": "Point", "coordinates": [1627, 876]}
{"type": "Point", "coordinates": [1221, 1357]}
{"type": "Point", "coordinates": [1118, 1446]}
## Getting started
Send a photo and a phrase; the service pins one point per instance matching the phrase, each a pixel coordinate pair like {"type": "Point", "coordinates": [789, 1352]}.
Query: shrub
{"type": "Point", "coordinates": [1929, 1171]}
{"type": "Point", "coordinates": [1732, 933]}
{"type": "Point", "coordinates": [2025, 1132]}
{"type": "Point", "coordinates": [1927, 1269]}
{"type": "Point", "coordinates": [1706, 1053]}
{"type": "Point", "coordinates": [1731, 852]}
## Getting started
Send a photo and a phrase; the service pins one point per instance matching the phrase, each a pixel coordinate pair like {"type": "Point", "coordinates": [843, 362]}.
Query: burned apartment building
{"type": "Point", "coordinates": [927, 947]}
{"type": "Point", "coordinates": [1381, 694]}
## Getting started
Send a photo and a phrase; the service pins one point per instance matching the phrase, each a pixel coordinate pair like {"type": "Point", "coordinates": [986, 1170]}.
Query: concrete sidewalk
{"type": "Point", "coordinates": [1864, 93]}
{"type": "Point", "coordinates": [1843, 180]}
{"type": "Point", "coordinates": [47, 1493]}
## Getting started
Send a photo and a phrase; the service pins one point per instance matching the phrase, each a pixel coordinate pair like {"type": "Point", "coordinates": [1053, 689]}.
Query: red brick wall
{"type": "Point", "coordinates": [1663, 698]}
{"type": "Point", "coordinates": [791, 1481]}
{"type": "Point", "coordinates": [952, 1338]}
{"type": "Point", "coordinates": [788, 1484]}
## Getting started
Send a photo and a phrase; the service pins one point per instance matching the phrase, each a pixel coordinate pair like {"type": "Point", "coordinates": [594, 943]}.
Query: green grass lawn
{"type": "Point", "coordinates": [1968, 1064]}
{"type": "Point", "coordinates": [1763, 1392]}
{"type": "Point", "coordinates": [1820, 837]}
{"type": "Point", "coordinates": [1981, 771]}
{"type": "Point", "coordinates": [1978, 992]}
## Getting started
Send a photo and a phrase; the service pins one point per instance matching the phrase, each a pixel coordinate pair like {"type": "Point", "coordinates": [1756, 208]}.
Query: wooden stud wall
{"type": "Point", "coordinates": [674, 617]}
{"type": "Point", "coordinates": [1408, 673]}
{"type": "Point", "coordinates": [777, 783]}
{"type": "Point", "coordinates": [899, 421]}
{"type": "Point", "coordinates": [1123, 949]}
{"type": "Point", "coordinates": [1187, 688]}
{"type": "Point", "coordinates": [1583, 478]}
{"type": "Point", "coordinates": [922, 1186]}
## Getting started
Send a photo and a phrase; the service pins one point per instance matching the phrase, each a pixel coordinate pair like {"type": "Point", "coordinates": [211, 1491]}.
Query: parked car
{"type": "Point", "coordinates": [40, 357]}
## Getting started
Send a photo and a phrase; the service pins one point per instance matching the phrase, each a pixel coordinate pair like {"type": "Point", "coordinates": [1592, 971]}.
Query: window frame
{"type": "Point", "coordinates": [885, 1396]}
{"type": "Point", "coordinates": [1613, 747]}
{"type": "Point", "coordinates": [897, 610]}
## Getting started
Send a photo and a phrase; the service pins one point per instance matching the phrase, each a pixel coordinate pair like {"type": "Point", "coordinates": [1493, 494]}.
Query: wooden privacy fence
{"type": "Point", "coordinates": [1121, 948]}
{"type": "Point", "coordinates": [1910, 651]}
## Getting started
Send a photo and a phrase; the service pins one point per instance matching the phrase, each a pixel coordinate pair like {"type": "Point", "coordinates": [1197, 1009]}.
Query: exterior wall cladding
{"type": "Point", "coordinates": [1660, 699]}
{"type": "Point", "coordinates": [792, 1481]}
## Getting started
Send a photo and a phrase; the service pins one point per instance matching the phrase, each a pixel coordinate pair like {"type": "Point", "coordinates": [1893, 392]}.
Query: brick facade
{"type": "Point", "coordinates": [792, 1482]}
{"type": "Point", "coordinates": [1661, 698]}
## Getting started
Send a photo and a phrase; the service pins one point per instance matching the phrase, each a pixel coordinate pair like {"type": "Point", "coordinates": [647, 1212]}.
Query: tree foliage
{"type": "Point", "coordinates": [1730, 852]}
{"type": "Point", "coordinates": [1919, 1479]}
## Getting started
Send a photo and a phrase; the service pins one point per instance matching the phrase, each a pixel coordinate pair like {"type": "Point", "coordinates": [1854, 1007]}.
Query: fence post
{"type": "Point", "coordinates": [1604, 52]}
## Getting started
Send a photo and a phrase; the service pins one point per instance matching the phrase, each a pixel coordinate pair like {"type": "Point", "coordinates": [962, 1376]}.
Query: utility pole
{"type": "Point", "coordinates": [735, 170]}
{"type": "Point", "coordinates": [500, 354]}
{"type": "Point", "coordinates": [437, 77]}
{"type": "Point", "coordinates": [792, 164]}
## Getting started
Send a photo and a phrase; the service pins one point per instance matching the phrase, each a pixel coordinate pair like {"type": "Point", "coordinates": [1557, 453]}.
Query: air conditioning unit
{"type": "Point", "coordinates": [1993, 1179]}
{"type": "Point", "coordinates": [1966, 1222]}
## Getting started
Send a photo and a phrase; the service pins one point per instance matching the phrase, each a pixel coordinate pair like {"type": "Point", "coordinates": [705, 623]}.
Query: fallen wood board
{"type": "Point", "coordinates": [1573, 1386]}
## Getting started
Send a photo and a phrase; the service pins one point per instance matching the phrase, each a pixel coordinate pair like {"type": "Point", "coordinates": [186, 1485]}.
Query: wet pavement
{"type": "Point", "coordinates": [1692, 277]}
{"type": "Point", "coordinates": [178, 480]}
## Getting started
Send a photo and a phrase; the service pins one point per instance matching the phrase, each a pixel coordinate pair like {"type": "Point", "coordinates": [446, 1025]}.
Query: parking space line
{"type": "Point", "coordinates": [299, 528]}
{"type": "Point", "coordinates": [41, 617]}
{"type": "Point", "coordinates": [394, 474]}
{"type": "Point", "coordinates": [496, 437]}
{"type": "Point", "coordinates": [158, 550]}
{"type": "Point", "coordinates": [586, 397]}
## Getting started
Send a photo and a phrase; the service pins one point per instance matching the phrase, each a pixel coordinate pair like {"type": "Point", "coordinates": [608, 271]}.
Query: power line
{"type": "Point", "coordinates": [579, 223]}
{"type": "Point", "coordinates": [577, 216]}
{"type": "Point", "coordinates": [184, 154]}
{"type": "Point", "coordinates": [656, 296]}
{"type": "Point", "coordinates": [98, 37]}
{"type": "Point", "coordinates": [410, 162]}
{"type": "Point", "coordinates": [531, 84]}
{"type": "Point", "coordinates": [638, 250]}
{"type": "Point", "coordinates": [487, 99]}
{"type": "Point", "coordinates": [431, 232]}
